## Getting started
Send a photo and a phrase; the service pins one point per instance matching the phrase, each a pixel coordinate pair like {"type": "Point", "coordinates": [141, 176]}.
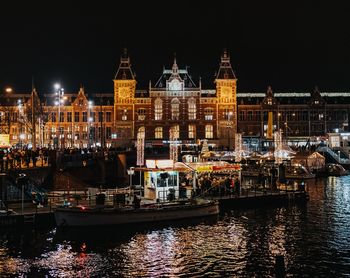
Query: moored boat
{"type": "Point", "coordinates": [104, 215]}
{"type": "Point", "coordinates": [336, 170]}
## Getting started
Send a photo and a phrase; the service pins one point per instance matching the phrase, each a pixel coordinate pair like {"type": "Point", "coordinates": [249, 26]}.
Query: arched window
{"type": "Point", "coordinates": [158, 132]}
{"type": "Point", "coordinates": [175, 109]}
{"type": "Point", "coordinates": [175, 129]}
{"type": "Point", "coordinates": [209, 131]}
{"type": "Point", "coordinates": [141, 129]}
{"type": "Point", "coordinates": [192, 109]}
{"type": "Point", "coordinates": [158, 109]}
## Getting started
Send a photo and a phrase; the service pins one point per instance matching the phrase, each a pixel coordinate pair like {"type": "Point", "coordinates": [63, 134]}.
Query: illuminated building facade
{"type": "Point", "coordinates": [174, 108]}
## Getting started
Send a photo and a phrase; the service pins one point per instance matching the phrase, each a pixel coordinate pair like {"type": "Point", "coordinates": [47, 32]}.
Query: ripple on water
{"type": "Point", "coordinates": [313, 238]}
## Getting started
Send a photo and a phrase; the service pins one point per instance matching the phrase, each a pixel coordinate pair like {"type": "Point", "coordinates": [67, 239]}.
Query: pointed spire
{"type": "Point", "coordinates": [33, 86]}
{"type": "Point", "coordinates": [124, 70]}
{"type": "Point", "coordinates": [316, 93]}
{"type": "Point", "coordinates": [81, 90]}
{"type": "Point", "coordinates": [316, 98]}
{"type": "Point", "coordinates": [225, 69]}
{"type": "Point", "coordinates": [175, 68]}
{"type": "Point", "coordinates": [269, 92]}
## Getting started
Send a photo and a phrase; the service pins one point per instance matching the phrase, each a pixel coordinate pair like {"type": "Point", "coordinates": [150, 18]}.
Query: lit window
{"type": "Point", "coordinates": [158, 109]}
{"type": "Point", "coordinates": [176, 131]}
{"type": "Point", "coordinates": [158, 132]}
{"type": "Point", "coordinates": [191, 131]}
{"type": "Point", "coordinates": [175, 109]}
{"type": "Point", "coordinates": [209, 131]}
{"type": "Point", "coordinates": [192, 109]}
{"type": "Point", "coordinates": [209, 114]}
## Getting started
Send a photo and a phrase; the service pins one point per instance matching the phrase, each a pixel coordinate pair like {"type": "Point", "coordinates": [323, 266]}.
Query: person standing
{"type": "Point", "coordinates": [237, 186]}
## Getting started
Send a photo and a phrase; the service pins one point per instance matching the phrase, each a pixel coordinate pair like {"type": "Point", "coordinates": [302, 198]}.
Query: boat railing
{"type": "Point", "coordinates": [172, 194]}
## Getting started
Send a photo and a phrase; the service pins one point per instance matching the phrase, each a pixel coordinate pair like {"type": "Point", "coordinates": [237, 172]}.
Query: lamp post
{"type": "Point", "coordinates": [59, 100]}
{"type": "Point", "coordinates": [131, 171]}
{"type": "Point", "coordinates": [278, 120]}
{"type": "Point", "coordinates": [229, 126]}
{"type": "Point", "coordinates": [287, 127]}
{"type": "Point", "coordinates": [33, 121]}
{"type": "Point", "coordinates": [90, 119]}
{"type": "Point", "coordinates": [20, 115]}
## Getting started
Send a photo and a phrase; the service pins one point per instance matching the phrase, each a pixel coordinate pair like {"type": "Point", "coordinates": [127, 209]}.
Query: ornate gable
{"type": "Point", "coordinates": [81, 100]}
{"type": "Point", "coordinates": [269, 101]}
{"type": "Point", "coordinates": [316, 98]}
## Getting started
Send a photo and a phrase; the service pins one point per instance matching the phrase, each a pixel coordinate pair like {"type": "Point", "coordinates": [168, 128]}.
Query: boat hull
{"type": "Point", "coordinates": [99, 217]}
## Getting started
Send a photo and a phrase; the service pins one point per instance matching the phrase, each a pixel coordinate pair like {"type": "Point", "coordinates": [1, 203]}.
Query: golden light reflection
{"type": "Point", "coordinates": [172, 252]}
{"type": "Point", "coordinates": [11, 265]}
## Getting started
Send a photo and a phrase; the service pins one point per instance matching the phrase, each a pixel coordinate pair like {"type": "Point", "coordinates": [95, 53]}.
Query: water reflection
{"type": "Point", "coordinates": [312, 237]}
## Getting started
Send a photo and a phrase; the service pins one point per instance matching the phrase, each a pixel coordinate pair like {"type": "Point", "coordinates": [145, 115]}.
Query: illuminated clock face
{"type": "Point", "coordinates": [225, 92]}
{"type": "Point", "coordinates": [123, 93]}
{"type": "Point", "coordinates": [175, 85]}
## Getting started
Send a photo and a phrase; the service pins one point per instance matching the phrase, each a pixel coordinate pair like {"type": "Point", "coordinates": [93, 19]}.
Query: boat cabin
{"type": "Point", "coordinates": [165, 180]}
{"type": "Point", "coordinates": [162, 180]}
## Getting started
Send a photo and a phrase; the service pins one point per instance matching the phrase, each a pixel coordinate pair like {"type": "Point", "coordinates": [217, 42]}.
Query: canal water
{"type": "Point", "coordinates": [313, 238]}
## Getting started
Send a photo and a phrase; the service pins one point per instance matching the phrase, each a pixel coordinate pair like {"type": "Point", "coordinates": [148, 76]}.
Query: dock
{"type": "Point", "coordinates": [260, 198]}
{"type": "Point", "coordinates": [31, 214]}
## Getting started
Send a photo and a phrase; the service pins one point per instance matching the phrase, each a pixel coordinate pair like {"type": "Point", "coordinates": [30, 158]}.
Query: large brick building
{"type": "Point", "coordinates": [175, 107]}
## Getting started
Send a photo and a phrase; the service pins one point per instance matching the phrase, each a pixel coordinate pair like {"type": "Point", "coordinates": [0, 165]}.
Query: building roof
{"type": "Point", "coordinates": [181, 75]}
{"type": "Point", "coordinates": [225, 69]}
{"type": "Point", "coordinates": [124, 71]}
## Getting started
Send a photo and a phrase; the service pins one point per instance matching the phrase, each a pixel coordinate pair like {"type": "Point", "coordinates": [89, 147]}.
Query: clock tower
{"type": "Point", "coordinates": [226, 102]}
{"type": "Point", "coordinates": [124, 94]}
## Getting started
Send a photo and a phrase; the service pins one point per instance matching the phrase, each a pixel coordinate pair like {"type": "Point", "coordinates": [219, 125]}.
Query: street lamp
{"type": "Point", "coordinates": [278, 120]}
{"type": "Point", "coordinates": [229, 126]}
{"type": "Point", "coordinates": [131, 171]}
{"type": "Point", "coordinates": [58, 101]}
{"type": "Point", "coordinates": [20, 114]}
{"type": "Point", "coordinates": [90, 120]}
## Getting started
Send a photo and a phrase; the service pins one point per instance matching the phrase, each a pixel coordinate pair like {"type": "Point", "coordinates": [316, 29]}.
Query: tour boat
{"type": "Point", "coordinates": [109, 215]}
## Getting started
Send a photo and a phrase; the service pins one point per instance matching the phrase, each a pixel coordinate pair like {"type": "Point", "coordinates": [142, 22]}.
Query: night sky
{"type": "Point", "coordinates": [291, 47]}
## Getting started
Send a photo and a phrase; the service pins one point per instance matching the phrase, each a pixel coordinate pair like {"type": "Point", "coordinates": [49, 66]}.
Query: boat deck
{"type": "Point", "coordinates": [258, 198]}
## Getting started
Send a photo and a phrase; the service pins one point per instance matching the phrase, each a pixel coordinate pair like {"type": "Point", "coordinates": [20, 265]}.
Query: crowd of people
{"type": "Point", "coordinates": [218, 184]}
{"type": "Point", "coordinates": [20, 158]}
{"type": "Point", "coordinates": [17, 158]}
